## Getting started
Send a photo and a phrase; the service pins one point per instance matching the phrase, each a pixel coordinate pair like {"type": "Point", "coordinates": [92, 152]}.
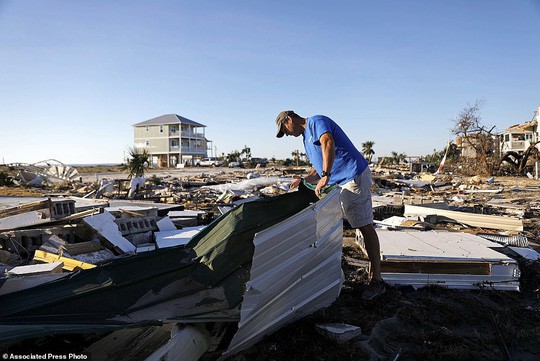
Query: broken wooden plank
{"type": "Point", "coordinates": [69, 263]}
{"type": "Point", "coordinates": [471, 219]}
{"type": "Point", "coordinates": [28, 207]}
{"type": "Point", "coordinates": [75, 249]}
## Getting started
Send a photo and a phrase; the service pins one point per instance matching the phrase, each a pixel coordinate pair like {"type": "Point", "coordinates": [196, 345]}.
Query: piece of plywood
{"type": "Point", "coordinates": [68, 263]}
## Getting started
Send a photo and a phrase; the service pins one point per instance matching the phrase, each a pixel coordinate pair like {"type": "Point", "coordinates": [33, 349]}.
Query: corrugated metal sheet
{"type": "Point", "coordinates": [296, 270]}
{"type": "Point", "coordinates": [438, 248]}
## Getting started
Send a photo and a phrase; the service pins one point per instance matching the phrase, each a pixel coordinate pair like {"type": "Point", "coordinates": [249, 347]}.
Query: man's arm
{"type": "Point", "coordinates": [312, 177]}
{"type": "Point", "coordinates": [328, 155]}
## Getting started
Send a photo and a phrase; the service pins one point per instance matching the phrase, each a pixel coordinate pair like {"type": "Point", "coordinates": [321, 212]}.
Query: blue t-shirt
{"type": "Point", "coordinates": [349, 162]}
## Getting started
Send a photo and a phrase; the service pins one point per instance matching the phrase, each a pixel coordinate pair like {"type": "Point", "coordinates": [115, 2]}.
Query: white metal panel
{"type": "Point", "coordinates": [433, 245]}
{"type": "Point", "coordinates": [177, 237]}
{"type": "Point", "coordinates": [504, 277]}
{"type": "Point", "coordinates": [296, 270]}
{"type": "Point", "coordinates": [440, 246]}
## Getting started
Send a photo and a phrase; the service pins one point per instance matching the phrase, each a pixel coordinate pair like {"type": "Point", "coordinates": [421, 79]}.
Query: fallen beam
{"type": "Point", "coordinates": [470, 219]}
{"type": "Point", "coordinates": [69, 264]}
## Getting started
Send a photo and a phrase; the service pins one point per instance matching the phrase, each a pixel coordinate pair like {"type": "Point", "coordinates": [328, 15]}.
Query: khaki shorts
{"type": "Point", "coordinates": [355, 197]}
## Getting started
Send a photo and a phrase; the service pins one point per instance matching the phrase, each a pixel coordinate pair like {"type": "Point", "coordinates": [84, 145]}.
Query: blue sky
{"type": "Point", "coordinates": [76, 75]}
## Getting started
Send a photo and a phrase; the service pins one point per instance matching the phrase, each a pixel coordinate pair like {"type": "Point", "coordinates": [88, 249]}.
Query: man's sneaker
{"type": "Point", "coordinates": [374, 289]}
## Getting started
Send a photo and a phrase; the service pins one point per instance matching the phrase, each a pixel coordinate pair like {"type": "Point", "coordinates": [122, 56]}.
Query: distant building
{"type": "Point", "coordinates": [171, 140]}
{"type": "Point", "coordinates": [474, 142]}
{"type": "Point", "coordinates": [518, 138]}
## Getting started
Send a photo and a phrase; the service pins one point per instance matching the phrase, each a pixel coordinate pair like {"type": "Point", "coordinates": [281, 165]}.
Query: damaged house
{"type": "Point", "coordinates": [519, 137]}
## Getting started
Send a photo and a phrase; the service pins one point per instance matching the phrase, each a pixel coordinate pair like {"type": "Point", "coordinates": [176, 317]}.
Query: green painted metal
{"type": "Point", "coordinates": [215, 262]}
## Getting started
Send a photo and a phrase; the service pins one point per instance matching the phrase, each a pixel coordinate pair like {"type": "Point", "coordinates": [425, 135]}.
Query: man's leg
{"type": "Point", "coordinates": [373, 249]}
{"type": "Point", "coordinates": [356, 205]}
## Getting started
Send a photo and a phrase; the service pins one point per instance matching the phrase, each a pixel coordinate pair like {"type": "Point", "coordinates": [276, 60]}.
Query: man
{"type": "Point", "coordinates": [336, 160]}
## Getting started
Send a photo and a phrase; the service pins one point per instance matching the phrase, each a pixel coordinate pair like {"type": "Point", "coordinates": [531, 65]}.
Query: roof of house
{"type": "Point", "coordinates": [527, 126]}
{"type": "Point", "coordinates": [168, 119]}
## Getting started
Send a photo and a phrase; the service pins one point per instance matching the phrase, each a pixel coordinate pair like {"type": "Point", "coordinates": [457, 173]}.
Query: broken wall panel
{"type": "Point", "coordinates": [448, 259]}
{"type": "Point", "coordinates": [108, 231]}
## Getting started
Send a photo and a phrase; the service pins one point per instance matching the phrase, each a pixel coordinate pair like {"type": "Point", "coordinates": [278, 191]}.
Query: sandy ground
{"type": "Point", "coordinates": [161, 173]}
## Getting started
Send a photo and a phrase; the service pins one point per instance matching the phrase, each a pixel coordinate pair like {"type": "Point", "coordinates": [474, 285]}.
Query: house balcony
{"type": "Point", "coordinates": [516, 145]}
{"type": "Point", "coordinates": [192, 134]}
{"type": "Point", "coordinates": [194, 150]}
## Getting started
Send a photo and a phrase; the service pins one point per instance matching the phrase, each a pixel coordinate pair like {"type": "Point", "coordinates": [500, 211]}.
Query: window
{"type": "Point", "coordinates": [147, 128]}
{"type": "Point", "coordinates": [161, 128]}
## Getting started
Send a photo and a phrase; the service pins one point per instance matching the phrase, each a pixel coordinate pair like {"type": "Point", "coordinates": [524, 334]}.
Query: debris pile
{"type": "Point", "coordinates": [225, 258]}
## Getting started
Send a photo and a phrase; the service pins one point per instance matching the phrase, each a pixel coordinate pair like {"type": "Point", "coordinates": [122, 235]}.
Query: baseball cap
{"type": "Point", "coordinates": [279, 121]}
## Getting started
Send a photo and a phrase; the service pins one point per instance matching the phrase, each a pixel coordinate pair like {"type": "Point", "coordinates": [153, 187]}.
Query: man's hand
{"type": "Point", "coordinates": [296, 182]}
{"type": "Point", "coordinates": [323, 182]}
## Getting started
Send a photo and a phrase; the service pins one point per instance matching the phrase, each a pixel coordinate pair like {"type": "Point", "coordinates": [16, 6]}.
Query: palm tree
{"type": "Point", "coordinates": [395, 158]}
{"type": "Point", "coordinates": [233, 156]}
{"type": "Point", "coordinates": [367, 150]}
{"type": "Point", "coordinates": [402, 158]}
{"type": "Point", "coordinates": [247, 152]}
{"type": "Point", "coordinates": [296, 155]}
{"type": "Point", "coordinates": [137, 162]}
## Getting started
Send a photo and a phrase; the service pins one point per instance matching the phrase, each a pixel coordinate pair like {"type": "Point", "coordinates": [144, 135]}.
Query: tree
{"type": "Point", "coordinates": [395, 157]}
{"type": "Point", "coordinates": [367, 150]}
{"type": "Point", "coordinates": [246, 152]}
{"type": "Point", "coordinates": [519, 161]}
{"type": "Point", "coordinates": [402, 157]}
{"type": "Point", "coordinates": [297, 156]}
{"type": "Point", "coordinates": [137, 162]}
{"type": "Point", "coordinates": [452, 155]}
{"type": "Point", "coordinates": [477, 140]}
{"type": "Point", "coordinates": [233, 156]}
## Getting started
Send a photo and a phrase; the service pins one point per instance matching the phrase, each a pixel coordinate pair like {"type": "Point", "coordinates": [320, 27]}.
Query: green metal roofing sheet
{"type": "Point", "coordinates": [205, 279]}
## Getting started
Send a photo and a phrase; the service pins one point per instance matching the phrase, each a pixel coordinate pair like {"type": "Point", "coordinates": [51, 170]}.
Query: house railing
{"type": "Point", "coordinates": [198, 150]}
{"type": "Point", "coordinates": [516, 145]}
{"type": "Point", "coordinates": [192, 134]}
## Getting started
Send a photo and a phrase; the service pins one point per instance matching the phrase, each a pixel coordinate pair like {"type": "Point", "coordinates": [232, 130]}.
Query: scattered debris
{"type": "Point", "coordinates": [209, 264]}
